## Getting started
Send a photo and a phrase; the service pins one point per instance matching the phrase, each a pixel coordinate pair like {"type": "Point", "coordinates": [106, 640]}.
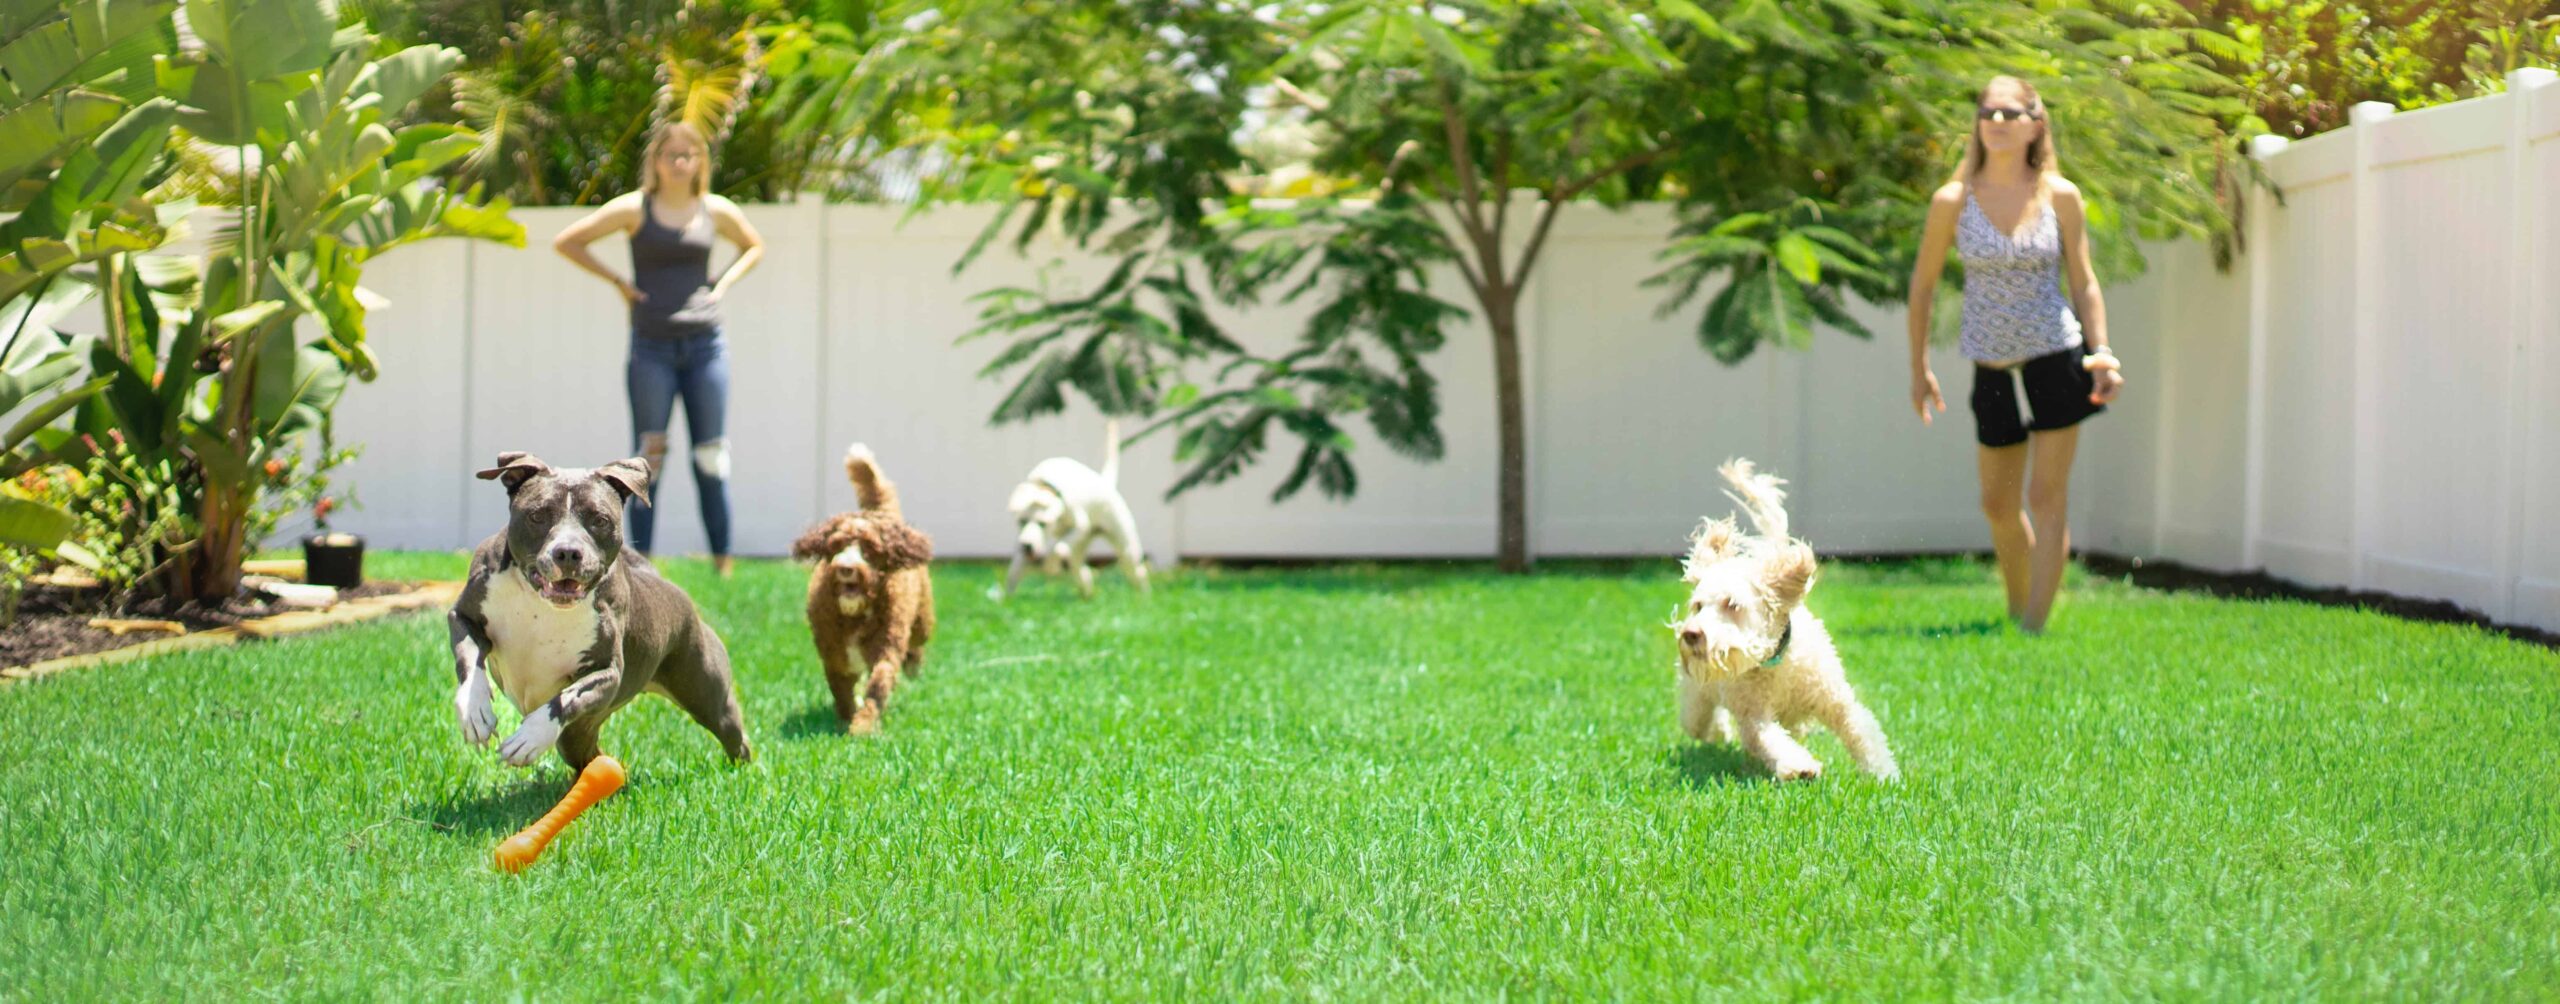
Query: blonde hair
{"type": "Point", "coordinates": [658, 138]}
{"type": "Point", "coordinates": [2041, 157]}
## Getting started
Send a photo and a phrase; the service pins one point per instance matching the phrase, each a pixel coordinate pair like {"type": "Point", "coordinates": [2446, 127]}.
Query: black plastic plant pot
{"type": "Point", "coordinates": [333, 559]}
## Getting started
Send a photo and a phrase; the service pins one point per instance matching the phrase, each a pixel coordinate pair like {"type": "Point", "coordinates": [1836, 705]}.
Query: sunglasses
{"type": "Point", "coordinates": [1990, 114]}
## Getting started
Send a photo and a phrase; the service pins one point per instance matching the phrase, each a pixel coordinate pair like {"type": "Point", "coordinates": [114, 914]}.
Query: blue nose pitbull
{"type": "Point", "coordinates": [572, 627]}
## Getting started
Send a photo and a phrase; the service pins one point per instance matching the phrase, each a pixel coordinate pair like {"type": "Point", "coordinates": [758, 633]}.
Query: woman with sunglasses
{"type": "Point", "coordinates": [2020, 230]}
{"type": "Point", "coordinates": [677, 348]}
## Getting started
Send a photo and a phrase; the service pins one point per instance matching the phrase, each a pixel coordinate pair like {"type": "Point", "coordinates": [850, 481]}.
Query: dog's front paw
{"type": "Point", "coordinates": [471, 708]}
{"type": "Point", "coordinates": [1806, 769]}
{"type": "Point", "coordinates": [866, 721]}
{"type": "Point", "coordinates": [533, 738]}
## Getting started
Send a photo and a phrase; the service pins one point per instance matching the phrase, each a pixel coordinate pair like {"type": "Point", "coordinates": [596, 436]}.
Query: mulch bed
{"type": "Point", "coordinates": [53, 621]}
{"type": "Point", "coordinates": [2170, 575]}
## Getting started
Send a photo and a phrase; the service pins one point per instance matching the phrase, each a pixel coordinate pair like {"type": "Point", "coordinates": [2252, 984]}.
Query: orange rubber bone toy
{"type": "Point", "coordinates": [603, 777]}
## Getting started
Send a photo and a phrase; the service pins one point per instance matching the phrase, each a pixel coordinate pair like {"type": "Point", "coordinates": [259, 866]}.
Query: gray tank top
{"type": "Point", "coordinates": [672, 267]}
{"type": "Point", "coordinates": [2014, 309]}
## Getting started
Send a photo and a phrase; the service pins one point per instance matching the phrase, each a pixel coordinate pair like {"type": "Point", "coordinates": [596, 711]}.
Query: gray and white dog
{"type": "Point", "coordinates": [572, 626]}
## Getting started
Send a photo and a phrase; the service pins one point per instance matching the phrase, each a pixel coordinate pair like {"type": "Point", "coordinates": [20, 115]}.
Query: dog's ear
{"type": "Point", "coordinates": [820, 542]}
{"type": "Point", "coordinates": [515, 467]}
{"type": "Point", "coordinates": [894, 546]}
{"type": "Point", "coordinates": [630, 476]}
{"type": "Point", "coordinates": [1713, 542]}
{"type": "Point", "coordinates": [1033, 502]}
{"type": "Point", "coordinates": [1788, 575]}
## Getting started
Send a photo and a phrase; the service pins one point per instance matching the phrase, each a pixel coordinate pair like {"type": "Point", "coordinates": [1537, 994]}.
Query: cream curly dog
{"type": "Point", "coordinates": [1755, 664]}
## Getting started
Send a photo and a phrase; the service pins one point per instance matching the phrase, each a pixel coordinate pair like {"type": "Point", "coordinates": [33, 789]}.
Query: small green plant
{"type": "Point", "coordinates": [121, 501]}
{"type": "Point", "coordinates": [58, 493]}
{"type": "Point", "coordinates": [297, 488]}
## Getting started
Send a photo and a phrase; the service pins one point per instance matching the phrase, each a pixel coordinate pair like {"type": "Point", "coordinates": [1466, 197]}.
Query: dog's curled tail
{"type": "Point", "coordinates": [872, 490]}
{"type": "Point", "coordinates": [1111, 452]}
{"type": "Point", "coordinates": [1759, 497]}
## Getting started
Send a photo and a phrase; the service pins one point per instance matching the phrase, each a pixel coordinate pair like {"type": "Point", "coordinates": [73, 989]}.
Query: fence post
{"type": "Point", "coordinates": [814, 205]}
{"type": "Point", "coordinates": [2525, 210]}
{"type": "Point", "coordinates": [462, 486]}
{"type": "Point", "coordinates": [2257, 227]}
{"type": "Point", "coordinates": [2366, 300]}
{"type": "Point", "coordinates": [2163, 376]}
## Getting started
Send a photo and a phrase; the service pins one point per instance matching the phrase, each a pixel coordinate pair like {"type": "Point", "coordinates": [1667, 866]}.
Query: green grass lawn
{"type": "Point", "coordinates": [1346, 782]}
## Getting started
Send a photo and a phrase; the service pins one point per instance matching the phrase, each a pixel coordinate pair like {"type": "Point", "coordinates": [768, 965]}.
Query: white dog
{"type": "Point", "coordinates": [1062, 507]}
{"type": "Point", "coordinates": [1755, 664]}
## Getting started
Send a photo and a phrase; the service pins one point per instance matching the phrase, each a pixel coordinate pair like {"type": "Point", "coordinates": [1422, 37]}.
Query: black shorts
{"type": "Point", "coordinates": [2057, 390]}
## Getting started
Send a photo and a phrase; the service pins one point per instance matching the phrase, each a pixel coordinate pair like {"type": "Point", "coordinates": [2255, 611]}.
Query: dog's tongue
{"type": "Point", "coordinates": [560, 590]}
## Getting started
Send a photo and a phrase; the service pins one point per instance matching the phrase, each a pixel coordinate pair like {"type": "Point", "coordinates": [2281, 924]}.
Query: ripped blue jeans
{"type": "Point", "coordinates": [695, 367]}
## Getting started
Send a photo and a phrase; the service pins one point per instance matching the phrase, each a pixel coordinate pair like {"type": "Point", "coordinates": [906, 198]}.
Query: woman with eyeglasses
{"type": "Point", "coordinates": [2020, 230]}
{"type": "Point", "coordinates": [677, 347]}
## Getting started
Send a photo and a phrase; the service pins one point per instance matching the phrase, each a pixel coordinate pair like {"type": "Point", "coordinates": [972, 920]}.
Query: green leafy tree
{"type": "Point", "coordinates": [1799, 140]}
{"type": "Point", "coordinates": [561, 91]}
{"type": "Point", "coordinates": [2301, 66]}
{"type": "Point", "coordinates": [80, 123]}
{"type": "Point", "coordinates": [205, 377]}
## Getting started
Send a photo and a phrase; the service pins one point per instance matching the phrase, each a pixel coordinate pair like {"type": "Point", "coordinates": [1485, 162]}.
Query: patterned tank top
{"type": "Point", "coordinates": [2014, 309]}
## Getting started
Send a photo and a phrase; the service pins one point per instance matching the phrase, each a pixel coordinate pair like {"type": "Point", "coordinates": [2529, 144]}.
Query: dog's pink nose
{"type": "Point", "coordinates": [1692, 636]}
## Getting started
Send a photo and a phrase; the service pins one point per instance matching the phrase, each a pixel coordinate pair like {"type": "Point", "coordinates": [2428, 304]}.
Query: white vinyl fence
{"type": "Point", "coordinates": [2369, 401]}
{"type": "Point", "coordinates": [847, 333]}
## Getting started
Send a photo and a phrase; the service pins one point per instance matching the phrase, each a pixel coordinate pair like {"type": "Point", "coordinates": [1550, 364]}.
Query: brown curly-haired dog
{"type": "Point", "coordinates": [871, 596]}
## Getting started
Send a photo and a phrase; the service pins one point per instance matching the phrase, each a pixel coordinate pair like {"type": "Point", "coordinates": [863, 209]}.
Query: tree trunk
{"type": "Point", "coordinates": [1501, 305]}
{"type": "Point", "coordinates": [212, 575]}
{"type": "Point", "coordinates": [221, 544]}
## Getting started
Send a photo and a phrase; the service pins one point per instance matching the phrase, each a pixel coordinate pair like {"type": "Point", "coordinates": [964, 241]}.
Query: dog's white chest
{"type": "Point", "coordinates": [534, 647]}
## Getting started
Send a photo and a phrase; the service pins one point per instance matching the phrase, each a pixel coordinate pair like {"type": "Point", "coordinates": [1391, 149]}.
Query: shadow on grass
{"type": "Point", "coordinates": [501, 810]}
{"type": "Point", "coordinates": [1976, 628]}
{"type": "Point", "coordinates": [817, 721]}
{"type": "Point", "coordinates": [1717, 765]}
{"type": "Point", "coordinates": [509, 807]}
{"type": "Point", "coordinates": [1400, 576]}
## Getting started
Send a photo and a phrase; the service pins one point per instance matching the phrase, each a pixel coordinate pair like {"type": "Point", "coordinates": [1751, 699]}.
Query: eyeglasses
{"type": "Point", "coordinates": [1990, 114]}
